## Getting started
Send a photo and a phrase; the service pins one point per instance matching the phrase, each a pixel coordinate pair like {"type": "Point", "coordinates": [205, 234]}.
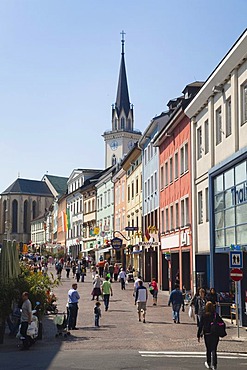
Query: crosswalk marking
{"type": "Point", "coordinates": [223, 355]}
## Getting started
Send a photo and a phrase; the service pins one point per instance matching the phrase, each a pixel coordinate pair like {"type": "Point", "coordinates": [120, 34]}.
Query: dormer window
{"type": "Point", "coordinates": [122, 123]}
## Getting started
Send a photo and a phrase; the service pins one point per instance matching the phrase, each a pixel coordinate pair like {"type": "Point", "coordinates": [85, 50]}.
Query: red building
{"type": "Point", "coordinates": [176, 262]}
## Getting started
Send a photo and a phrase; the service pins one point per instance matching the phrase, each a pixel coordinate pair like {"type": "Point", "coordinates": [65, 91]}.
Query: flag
{"type": "Point", "coordinates": [68, 219]}
{"type": "Point", "coordinates": [64, 221]}
{"type": "Point", "coordinates": [147, 235]}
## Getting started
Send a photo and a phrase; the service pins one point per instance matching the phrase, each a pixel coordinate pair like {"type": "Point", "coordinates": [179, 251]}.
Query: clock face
{"type": "Point", "coordinates": [130, 144]}
{"type": "Point", "coordinates": [114, 145]}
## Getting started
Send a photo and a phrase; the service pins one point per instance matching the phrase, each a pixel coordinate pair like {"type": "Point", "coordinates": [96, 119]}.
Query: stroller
{"type": "Point", "coordinates": [60, 320]}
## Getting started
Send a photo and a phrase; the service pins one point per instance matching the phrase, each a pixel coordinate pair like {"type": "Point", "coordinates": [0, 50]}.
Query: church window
{"type": "Point", "coordinates": [113, 160]}
{"type": "Point", "coordinates": [14, 216]}
{"type": "Point", "coordinates": [129, 124]}
{"type": "Point", "coordinates": [25, 216]}
{"type": "Point", "coordinates": [34, 209]}
{"type": "Point", "coordinates": [115, 124]}
{"type": "Point", "coordinates": [122, 123]}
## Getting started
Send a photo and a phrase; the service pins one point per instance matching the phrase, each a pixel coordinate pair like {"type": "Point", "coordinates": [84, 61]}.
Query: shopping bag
{"type": "Point", "coordinates": [191, 313]}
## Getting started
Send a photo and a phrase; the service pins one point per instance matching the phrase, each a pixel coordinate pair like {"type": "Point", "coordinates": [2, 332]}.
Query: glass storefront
{"type": "Point", "coordinates": [230, 206]}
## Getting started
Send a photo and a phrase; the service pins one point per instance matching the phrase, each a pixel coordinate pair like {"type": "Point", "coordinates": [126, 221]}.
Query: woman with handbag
{"type": "Point", "coordinates": [211, 338]}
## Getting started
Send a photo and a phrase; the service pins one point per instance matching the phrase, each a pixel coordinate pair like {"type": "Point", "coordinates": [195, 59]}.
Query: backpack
{"type": "Point", "coordinates": [218, 327]}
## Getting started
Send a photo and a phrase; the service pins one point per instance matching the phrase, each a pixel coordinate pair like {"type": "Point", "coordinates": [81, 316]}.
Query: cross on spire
{"type": "Point", "coordinates": [123, 40]}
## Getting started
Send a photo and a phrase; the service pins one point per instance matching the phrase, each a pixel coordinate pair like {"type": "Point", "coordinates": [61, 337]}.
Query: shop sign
{"type": "Point", "coordinates": [239, 195]}
{"type": "Point", "coordinates": [148, 244]}
{"type": "Point", "coordinates": [116, 243]}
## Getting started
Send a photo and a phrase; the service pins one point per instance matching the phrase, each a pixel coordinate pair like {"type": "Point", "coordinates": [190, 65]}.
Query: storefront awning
{"type": "Point", "coordinates": [88, 250]}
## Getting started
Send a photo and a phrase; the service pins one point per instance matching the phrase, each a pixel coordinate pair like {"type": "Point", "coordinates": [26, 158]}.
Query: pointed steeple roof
{"type": "Point", "coordinates": [122, 100]}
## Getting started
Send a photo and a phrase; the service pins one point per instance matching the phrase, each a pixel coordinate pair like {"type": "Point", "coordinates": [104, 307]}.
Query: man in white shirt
{"type": "Point", "coordinates": [26, 318]}
{"type": "Point", "coordinates": [122, 278]}
{"type": "Point", "coordinates": [141, 300]}
{"type": "Point", "coordinates": [74, 297]}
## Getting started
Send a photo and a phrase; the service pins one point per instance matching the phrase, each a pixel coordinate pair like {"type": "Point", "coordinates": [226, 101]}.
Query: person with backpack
{"type": "Point", "coordinates": [208, 326]}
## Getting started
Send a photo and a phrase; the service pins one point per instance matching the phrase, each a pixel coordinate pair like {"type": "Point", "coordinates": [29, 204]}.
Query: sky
{"type": "Point", "coordinates": [59, 66]}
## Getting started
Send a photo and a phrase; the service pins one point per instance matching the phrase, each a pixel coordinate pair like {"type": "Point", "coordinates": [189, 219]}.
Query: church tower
{"type": "Point", "coordinates": [122, 136]}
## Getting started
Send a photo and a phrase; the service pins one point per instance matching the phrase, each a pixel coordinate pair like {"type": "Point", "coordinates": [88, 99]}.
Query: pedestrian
{"type": "Point", "coordinates": [26, 319]}
{"type": "Point", "coordinates": [73, 265]}
{"type": "Point", "coordinates": [200, 305]}
{"type": "Point", "coordinates": [115, 271]}
{"type": "Point", "coordinates": [83, 272]}
{"type": "Point", "coordinates": [211, 339]}
{"type": "Point", "coordinates": [122, 278]}
{"type": "Point", "coordinates": [136, 284]}
{"type": "Point", "coordinates": [141, 300]}
{"type": "Point", "coordinates": [106, 291]}
{"type": "Point", "coordinates": [111, 271]}
{"type": "Point", "coordinates": [154, 291]}
{"type": "Point", "coordinates": [212, 297]}
{"type": "Point", "coordinates": [97, 313]}
{"type": "Point", "coordinates": [78, 272]}
{"type": "Point", "coordinates": [96, 287]}
{"type": "Point", "coordinates": [74, 297]}
{"type": "Point", "coordinates": [67, 268]}
{"type": "Point", "coordinates": [177, 300]}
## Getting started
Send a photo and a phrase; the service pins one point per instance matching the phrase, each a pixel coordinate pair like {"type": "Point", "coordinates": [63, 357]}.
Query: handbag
{"type": "Point", "coordinates": [191, 313]}
{"type": "Point", "coordinates": [218, 327]}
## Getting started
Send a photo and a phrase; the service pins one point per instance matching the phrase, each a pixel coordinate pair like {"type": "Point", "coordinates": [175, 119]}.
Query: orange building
{"type": "Point", "coordinates": [175, 194]}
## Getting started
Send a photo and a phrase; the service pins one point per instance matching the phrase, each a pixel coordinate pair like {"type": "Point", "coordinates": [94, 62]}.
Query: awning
{"type": "Point", "coordinates": [104, 250]}
{"type": "Point", "coordinates": [88, 250]}
{"type": "Point", "coordinates": [136, 252]}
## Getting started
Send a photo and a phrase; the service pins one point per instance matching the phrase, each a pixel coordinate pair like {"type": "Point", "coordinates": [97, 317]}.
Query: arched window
{"type": "Point", "coordinates": [122, 123]}
{"type": "Point", "coordinates": [14, 216]}
{"type": "Point", "coordinates": [25, 216]}
{"type": "Point", "coordinates": [4, 215]}
{"type": "Point", "coordinates": [115, 123]}
{"type": "Point", "coordinates": [34, 209]}
{"type": "Point", "coordinates": [113, 160]}
{"type": "Point", "coordinates": [129, 124]}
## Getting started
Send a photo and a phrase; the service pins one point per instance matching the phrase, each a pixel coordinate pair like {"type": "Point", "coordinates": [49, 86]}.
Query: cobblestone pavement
{"type": "Point", "coordinates": [120, 328]}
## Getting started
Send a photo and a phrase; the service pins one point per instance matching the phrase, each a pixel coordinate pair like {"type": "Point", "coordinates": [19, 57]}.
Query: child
{"type": "Point", "coordinates": [97, 313]}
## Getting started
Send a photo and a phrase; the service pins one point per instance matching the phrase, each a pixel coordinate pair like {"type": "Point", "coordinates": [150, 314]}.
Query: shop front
{"type": "Point", "coordinates": [228, 229]}
{"type": "Point", "coordinates": [150, 260]}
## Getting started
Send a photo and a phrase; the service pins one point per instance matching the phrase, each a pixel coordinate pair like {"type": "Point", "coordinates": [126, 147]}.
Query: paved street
{"type": "Point", "coordinates": [122, 342]}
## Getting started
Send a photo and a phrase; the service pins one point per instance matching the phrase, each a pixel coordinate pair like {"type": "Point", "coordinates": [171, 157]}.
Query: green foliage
{"type": "Point", "coordinates": [8, 293]}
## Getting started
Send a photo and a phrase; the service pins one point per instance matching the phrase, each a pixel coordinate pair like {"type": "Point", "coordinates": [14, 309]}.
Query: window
{"type": "Point", "coordinates": [177, 215]}
{"type": "Point", "coordinates": [15, 216]}
{"type": "Point", "coordinates": [34, 209]}
{"type": "Point", "coordinates": [122, 123]}
{"type": "Point", "coordinates": [206, 130]}
{"type": "Point", "coordinates": [113, 160]}
{"type": "Point", "coordinates": [167, 220]}
{"type": "Point", "coordinates": [199, 143]}
{"type": "Point", "coordinates": [145, 156]}
{"type": "Point", "coordinates": [132, 190]}
{"type": "Point", "coordinates": [155, 181]}
{"type": "Point", "coordinates": [145, 190]}
{"type": "Point", "coordinates": [128, 193]}
{"type": "Point", "coordinates": [200, 208]}
{"type": "Point", "coordinates": [186, 157]}
{"type": "Point", "coordinates": [176, 165]}
{"type": "Point", "coordinates": [161, 177]}
{"type": "Point", "coordinates": [115, 124]}
{"type": "Point", "coordinates": [148, 187]}
{"type": "Point", "coordinates": [171, 218]}
{"type": "Point", "coordinates": [162, 221]}
{"type": "Point", "coordinates": [207, 207]}
{"type": "Point", "coordinates": [228, 117]}
{"type": "Point", "coordinates": [152, 184]}
{"type": "Point", "coordinates": [186, 211]}
{"type": "Point", "coordinates": [182, 160]}
{"type": "Point", "coordinates": [171, 169]}
{"type": "Point", "coordinates": [25, 216]}
{"type": "Point", "coordinates": [137, 186]}
{"type": "Point", "coordinates": [244, 104]}
{"type": "Point", "coordinates": [182, 222]}
{"type": "Point", "coordinates": [166, 174]}
{"type": "Point", "coordinates": [123, 191]}
{"type": "Point", "coordinates": [218, 126]}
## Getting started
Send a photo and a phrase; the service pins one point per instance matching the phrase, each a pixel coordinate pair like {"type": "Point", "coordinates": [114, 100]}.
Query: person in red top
{"type": "Point", "coordinates": [154, 291]}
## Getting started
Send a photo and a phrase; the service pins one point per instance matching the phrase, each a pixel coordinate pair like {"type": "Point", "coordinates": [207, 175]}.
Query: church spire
{"type": "Point", "coordinates": [122, 100]}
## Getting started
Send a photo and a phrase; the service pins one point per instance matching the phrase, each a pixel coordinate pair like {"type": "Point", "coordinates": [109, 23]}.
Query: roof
{"type": "Point", "coordinates": [25, 186]}
{"type": "Point", "coordinates": [59, 183]}
{"type": "Point", "coordinates": [122, 100]}
{"type": "Point", "coordinates": [93, 180]}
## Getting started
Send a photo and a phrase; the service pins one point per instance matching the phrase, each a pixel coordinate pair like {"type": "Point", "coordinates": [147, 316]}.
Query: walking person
{"type": "Point", "coordinates": [154, 291]}
{"type": "Point", "coordinates": [211, 339]}
{"type": "Point", "coordinates": [97, 313]}
{"type": "Point", "coordinates": [78, 272]}
{"type": "Point", "coordinates": [177, 300]}
{"type": "Point", "coordinates": [212, 297]}
{"type": "Point", "coordinates": [122, 278]}
{"type": "Point", "coordinates": [67, 268]}
{"type": "Point", "coordinates": [200, 305]}
{"type": "Point", "coordinates": [141, 300]}
{"type": "Point", "coordinates": [26, 319]}
{"type": "Point", "coordinates": [106, 291]}
{"type": "Point", "coordinates": [115, 271]}
{"type": "Point", "coordinates": [73, 298]}
{"type": "Point", "coordinates": [96, 287]}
